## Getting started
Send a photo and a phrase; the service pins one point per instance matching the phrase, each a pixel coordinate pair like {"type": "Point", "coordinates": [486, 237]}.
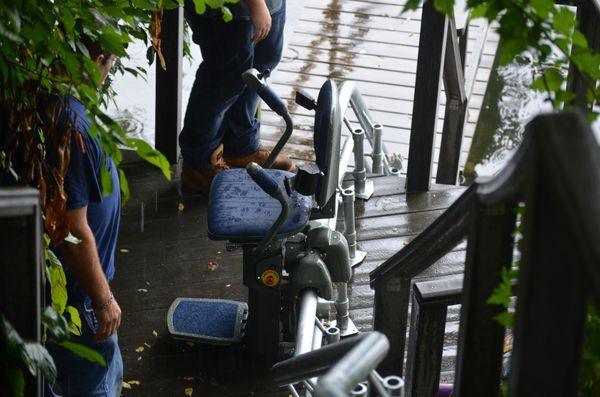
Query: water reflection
{"type": "Point", "coordinates": [508, 105]}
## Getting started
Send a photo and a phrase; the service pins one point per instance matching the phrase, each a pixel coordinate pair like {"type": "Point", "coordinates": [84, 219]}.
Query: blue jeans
{"type": "Point", "coordinates": [221, 109]}
{"type": "Point", "coordinates": [78, 377]}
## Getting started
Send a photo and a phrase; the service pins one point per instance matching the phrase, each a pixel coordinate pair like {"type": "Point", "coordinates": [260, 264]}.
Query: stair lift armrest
{"type": "Point", "coordinates": [257, 82]}
{"type": "Point", "coordinates": [269, 186]}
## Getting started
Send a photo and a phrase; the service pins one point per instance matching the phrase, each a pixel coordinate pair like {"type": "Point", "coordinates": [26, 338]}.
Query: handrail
{"type": "Point", "coordinates": [548, 162]}
{"type": "Point", "coordinates": [354, 367]}
{"type": "Point", "coordinates": [313, 363]}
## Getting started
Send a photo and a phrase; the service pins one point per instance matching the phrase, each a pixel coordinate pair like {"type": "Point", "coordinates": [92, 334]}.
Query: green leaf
{"type": "Point", "coordinates": [554, 79]}
{"type": "Point", "coordinates": [509, 49]}
{"type": "Point", "coordinates": [479, 11]}
{"type": "Point", "coordinates": [445, 6]}
{"type": "Point", "coordinates": [199, 6]}
{"type": "Point", "coordinates": [72, 239]}
{"type": "Point", "coordinates": [75, 321]}
{"type": "Point", "coordinates": [411, 5]}
{"type": "Point", "coordinates": [564, 21]}
{"type": "Point", "coordinates": [505, 319]}
{"type": "Point", "coordinates": [579, 39]}
{"type": "Point", "coordinates": [55, 324]}
{"type": "Point", "coordinates": [36, 357]}
{"type": "Point", "coordinates": [83, 352]}
{"type": "Point", "coordinates": [124, 186]}
{"type": "Point", "coordinates": [151, 155]}
{"type": "Point", "coordinates": [58, 283]}
{"type": "Point", "coordinates": [543, 7]}
{"type": "Point", "coordinates": [227, 15]}
{"type": "Point", "coordinates": [16, 380]}
{"type": "Point", "coordinates": [106, 181]}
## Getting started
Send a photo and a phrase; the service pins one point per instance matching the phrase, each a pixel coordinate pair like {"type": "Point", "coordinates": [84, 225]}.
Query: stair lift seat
{"type": "Point", "coordinates": [239, 210]}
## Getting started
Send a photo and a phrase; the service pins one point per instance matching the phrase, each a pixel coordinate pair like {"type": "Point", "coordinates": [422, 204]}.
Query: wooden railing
{"type": "Point", "coordinates": [442, 50]}
{"type": "Point", "coordinates": [21, 288]}
{"type": "Point", "coordinates": [555, 174]}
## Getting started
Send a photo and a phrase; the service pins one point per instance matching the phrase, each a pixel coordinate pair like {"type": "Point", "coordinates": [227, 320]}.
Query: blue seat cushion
{"type": "Point", "coordinates": [239, 210]}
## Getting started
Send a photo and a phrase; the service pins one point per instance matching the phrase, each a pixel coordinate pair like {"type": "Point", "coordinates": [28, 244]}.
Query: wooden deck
{"type": "Point", "coordinates": [164, 251]}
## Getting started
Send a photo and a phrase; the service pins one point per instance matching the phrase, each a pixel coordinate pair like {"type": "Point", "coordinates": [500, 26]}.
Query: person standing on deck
{"type": "Point", "coordinates": [220, 126]}
{"type": "Point", "coordinates": [89, 264]}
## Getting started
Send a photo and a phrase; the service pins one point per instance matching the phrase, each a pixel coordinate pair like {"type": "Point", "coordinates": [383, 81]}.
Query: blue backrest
{"type": "Point", "coordinates": [327, 141]}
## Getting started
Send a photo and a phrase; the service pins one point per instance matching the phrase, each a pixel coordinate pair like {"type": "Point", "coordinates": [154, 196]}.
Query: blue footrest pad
{"type": "Point", "coordinates": [214, 321]}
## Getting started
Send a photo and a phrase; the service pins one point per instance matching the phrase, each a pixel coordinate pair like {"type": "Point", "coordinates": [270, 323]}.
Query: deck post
{"type": "Point", "coordinates": [456, 109]}
{"type": "Point", "coordinates": [489, 250]}
{"type": "Point", "coordinates": [432, 46]}
{"type": "Point", "coordinates": [21, 294]}
{"type": "Point", "coordinates": [552, 285]}
{"type": "Point", "coordinates": [426, 341]}
{"type": "Point", "coordinates": [168, 85]}
{"type": "Point", "coordinates": [390, 317]}
{"type": "Point", "coordinates": [588, 15]}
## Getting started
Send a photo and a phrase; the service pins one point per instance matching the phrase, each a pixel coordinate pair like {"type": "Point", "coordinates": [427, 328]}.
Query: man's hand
{"type": "Point", "coordinates": [109, 320]}
{"type": "Point", "coordinates": [261, 18]}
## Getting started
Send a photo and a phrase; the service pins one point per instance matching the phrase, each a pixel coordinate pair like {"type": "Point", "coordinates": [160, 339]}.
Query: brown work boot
{"type": "Point", "coordinates": [260, 156]}
{"type": "Point", "coordinates": [199, 181]}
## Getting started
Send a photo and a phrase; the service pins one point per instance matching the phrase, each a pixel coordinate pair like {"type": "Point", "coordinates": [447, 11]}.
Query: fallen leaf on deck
{"type": "Point", "coordinates": [147, 345]}
{"type": "Point", "coordinates": [154, 333]}
{"type": "Point", "coordinates": [411, 34]}
{"type": "Point", "coordinates": [124, 250]}
{"type": "Point", "coordinates": [212, 266]}
{"type": "Point", "coordinates": [140, 358]}
{"type": "Point", "coordinates": [140, 349]}
{"type": "Point", "coordinates": [228, 285]}
{"type": "Point", "coordinates": [180, 207]}
{"type": "Point", "coordinates": [144, 290]}
{"type": "Point", "coordinates": [125, 385]}
{"type": "Point", "coordinates": [189, 391]}
{"type": "Point", "coordinates": [133, 382]}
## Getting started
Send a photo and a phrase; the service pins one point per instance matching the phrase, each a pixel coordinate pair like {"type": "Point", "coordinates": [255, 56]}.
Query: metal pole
{"type": "Point", "coordinates": [356, 256]}
{"type": "Point", "coordinates": [306, 321]}
{"type": "Point", "coordinates": [341, 306]}
{"type": "Point", "coordinates": [394, 385]}
{"type": "Point", "coordinates": [360, 390]}
{"type": "Point", "coordinates": [364, 189]}
{"type": "Point", "coordinates": [333, 335]}
{"type": "Point", "coordinates": [354, 367]}
{"type": "Point", "coordinates": [349, 226]}
{"type": "Point", "coordinates": [377, 149]}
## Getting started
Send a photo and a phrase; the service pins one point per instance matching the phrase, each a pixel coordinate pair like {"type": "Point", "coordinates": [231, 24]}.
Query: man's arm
{"type": "Point", "coordinates": [261, 18]}
{"type": "Point", "coordinates": [85, 265]}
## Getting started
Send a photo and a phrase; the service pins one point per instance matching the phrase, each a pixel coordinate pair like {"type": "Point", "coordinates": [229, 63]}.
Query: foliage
{"type": "Point", "coordinates": [549, 33]}
{"type": "Point", "coordinates": [19, 356]}
{"type": "Point", "coordinates": [42, 50]}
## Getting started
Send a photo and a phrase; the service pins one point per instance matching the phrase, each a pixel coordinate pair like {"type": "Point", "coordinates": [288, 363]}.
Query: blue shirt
{"type": "Point", "coordinates": [83, 186]}
{"type": "Point", "coordinates": [240, 9]}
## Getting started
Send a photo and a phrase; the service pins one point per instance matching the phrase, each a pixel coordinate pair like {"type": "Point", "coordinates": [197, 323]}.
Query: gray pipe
{"type": "Point", "coordinates": [394, 385]}
{"type": "Point", "coordinates": [354, 367]}
{"type": "Point", "coordinates": [306, 321]}
{"type": "Point", "coordinates": [360, 390]}
{"type": "Point", "coordinates": [377, 154]}
{"type": "Point", "coordinates": [349, 225]}
{"type": "Point", "coordinates": [332, 335]}
{"type": "Point", "coordinates": [342, 306]}
{"type": "Point", "coordinates": [360, 174]}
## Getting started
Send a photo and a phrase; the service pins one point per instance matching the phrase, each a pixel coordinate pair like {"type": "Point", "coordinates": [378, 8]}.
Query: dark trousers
{"type": "Point", "coordinates": [221, 109]}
